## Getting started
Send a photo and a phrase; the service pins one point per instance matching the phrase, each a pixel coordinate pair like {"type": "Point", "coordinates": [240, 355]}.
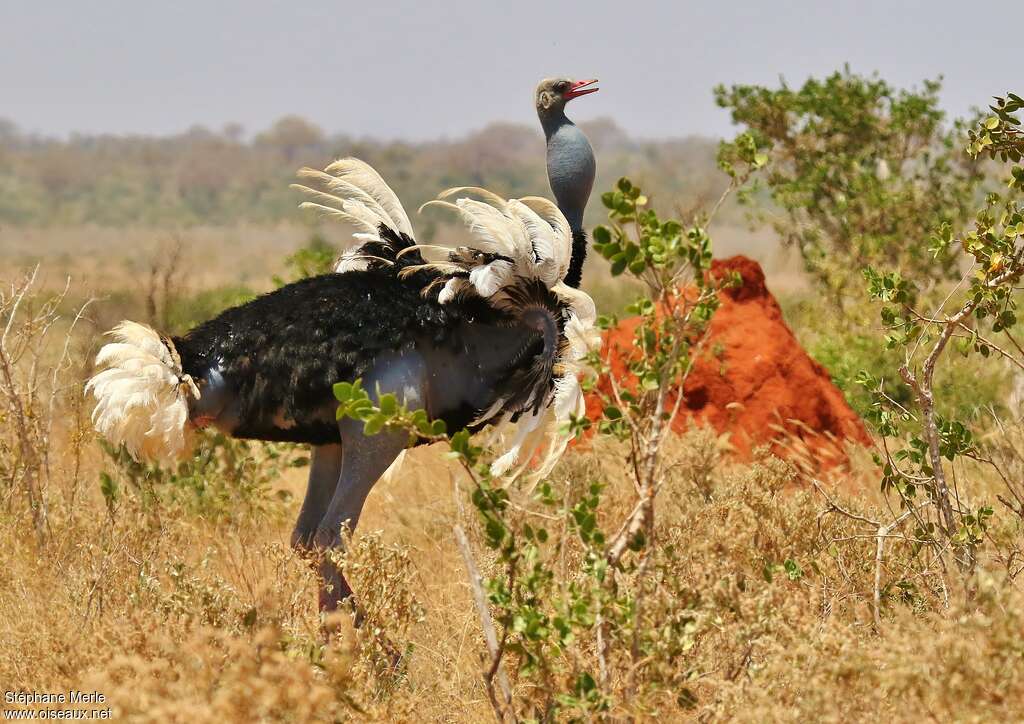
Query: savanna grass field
{"type": "Point", "coordinates": [672, 567]}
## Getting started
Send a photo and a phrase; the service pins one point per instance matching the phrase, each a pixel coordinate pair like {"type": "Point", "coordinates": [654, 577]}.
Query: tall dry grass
{"type": "Point", "coordinates": [176, 612]}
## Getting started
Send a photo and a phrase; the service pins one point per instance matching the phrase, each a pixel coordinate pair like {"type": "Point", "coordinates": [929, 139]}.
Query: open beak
{"type": "Point", "coordinates": [579, 88]}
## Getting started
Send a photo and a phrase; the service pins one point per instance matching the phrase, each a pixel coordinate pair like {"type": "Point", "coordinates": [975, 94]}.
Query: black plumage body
{"type": "Point", "coordinates": [278, 356]}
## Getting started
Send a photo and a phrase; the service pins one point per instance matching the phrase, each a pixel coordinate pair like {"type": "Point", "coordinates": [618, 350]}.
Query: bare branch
{"type": "Point", "coordinates": [496, 650]}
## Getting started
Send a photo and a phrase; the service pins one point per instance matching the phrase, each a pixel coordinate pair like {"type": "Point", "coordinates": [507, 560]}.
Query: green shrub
{"type": "Point", "coordinates": [856, 170]}
{"type": "Point", "coordinates": [316, 257]}
{"type": "Point", "coordinates": [967, 389]}
{"type": "Point", "coordinates": [928, 454]}
{"type": "Point", "coordinates": [223, 478]}
{"type": "Point", "coordinates": [185, 312]}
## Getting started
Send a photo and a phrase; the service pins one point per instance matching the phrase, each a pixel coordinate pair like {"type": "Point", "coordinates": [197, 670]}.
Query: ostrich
{"type": "Point", "coordinates": [489, 334]}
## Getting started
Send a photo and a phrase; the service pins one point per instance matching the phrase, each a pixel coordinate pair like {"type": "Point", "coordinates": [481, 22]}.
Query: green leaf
{"type": "Point", "coordinates": [612, 413]}
{"type": "Point", "coordinates": [109, 488]}
{"type": "Point", "coordinates": [374, 425]}
{"type": "Point", "coordinates": [343, 391]}
{"type": "Point", "coordinates": [388, 404]}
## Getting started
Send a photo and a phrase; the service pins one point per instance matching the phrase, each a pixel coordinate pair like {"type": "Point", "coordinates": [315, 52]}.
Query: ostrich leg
{"type": "Point", "coordinates": [364, 459]}
{"type": "Point", "coordinates": [324, 471]}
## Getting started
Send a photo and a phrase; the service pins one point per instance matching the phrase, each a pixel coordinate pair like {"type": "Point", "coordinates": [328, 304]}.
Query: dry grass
{"type": "Point", "coordinates": [178, 617]}
{"type": "Point", "coordinates": [109, 258]}
{"type": "Point", "coordinates": [175, 612]}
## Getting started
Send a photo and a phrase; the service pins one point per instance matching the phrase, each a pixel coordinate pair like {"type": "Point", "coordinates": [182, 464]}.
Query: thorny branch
{"type": "Point", "coordinates": [921, 382]}
{"type": "Point", "coordinates": [29, 388]}
{"type": "Point", "coordinates": [882, 531]}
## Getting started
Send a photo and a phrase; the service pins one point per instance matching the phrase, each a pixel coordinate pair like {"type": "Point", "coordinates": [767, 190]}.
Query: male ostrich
{"type": "Point", "coordinates": [489, 334]}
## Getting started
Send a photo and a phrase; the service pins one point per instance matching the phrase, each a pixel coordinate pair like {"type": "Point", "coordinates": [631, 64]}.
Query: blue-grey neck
{"type": "Point", "coordinates": [571, 170]}
{"type": "Point", "coordinates": [571, 164]}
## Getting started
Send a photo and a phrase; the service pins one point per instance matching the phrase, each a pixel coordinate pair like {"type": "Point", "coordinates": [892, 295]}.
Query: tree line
{"type": "Point", "coordinates": [225, 177]}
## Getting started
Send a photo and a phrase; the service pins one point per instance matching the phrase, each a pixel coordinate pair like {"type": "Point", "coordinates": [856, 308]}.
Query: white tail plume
{"type": "Point", "coordinates": [142, 394]}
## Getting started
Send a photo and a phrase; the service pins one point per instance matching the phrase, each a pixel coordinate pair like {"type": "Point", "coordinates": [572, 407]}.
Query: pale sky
{"type": "Point", "coordinates": [423, 70]}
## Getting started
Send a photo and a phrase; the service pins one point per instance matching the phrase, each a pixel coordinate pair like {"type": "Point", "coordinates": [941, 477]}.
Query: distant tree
{"type": "Point", "coordinates": [291, 135]}
{"type": "Point", "coordinates": [233, 131]}
{"type": "Point", "coordinates": [223, 177]}
{"type": "Point", "coordinates": [606, 134]}
{"type": "Point", "coordinates": [199, 132]}
{"type": "Point", "coordinates": [501, 151]}
{"type": "Point", "coordinates": [8, 131]}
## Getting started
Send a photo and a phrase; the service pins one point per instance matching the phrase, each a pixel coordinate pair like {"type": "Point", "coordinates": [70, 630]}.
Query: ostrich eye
{"type": "Point", "coordinates": [561, 86]}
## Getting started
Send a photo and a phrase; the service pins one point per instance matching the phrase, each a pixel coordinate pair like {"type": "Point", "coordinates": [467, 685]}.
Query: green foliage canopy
{"type": "Point", "coordinates": [978, 318]}
{"type": "Point", "coordinates": [857, 170]}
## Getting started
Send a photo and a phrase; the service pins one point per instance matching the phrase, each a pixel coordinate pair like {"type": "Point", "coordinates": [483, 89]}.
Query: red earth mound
{"type": "Point", "coordinates": [753, 379]}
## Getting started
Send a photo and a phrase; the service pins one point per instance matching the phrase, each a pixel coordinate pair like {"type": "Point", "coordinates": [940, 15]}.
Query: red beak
{"type": "Point", "coordinates": [579, 88]}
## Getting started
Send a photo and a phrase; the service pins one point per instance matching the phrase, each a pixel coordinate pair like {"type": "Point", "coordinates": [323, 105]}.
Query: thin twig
{"type": "Point", "coordinates": [495, 669]}
{"type": "Point", "coordinates": [883, 533]}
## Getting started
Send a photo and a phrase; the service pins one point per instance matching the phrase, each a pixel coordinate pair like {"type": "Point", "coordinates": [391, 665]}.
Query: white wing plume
{"type": "Point", "coordinates": [520, 238]}
{"type": "Point", "coordinates": [352, 191]}
{"type": "Point", "coordinates": [512, 242]}
{"type": "Point", "coordinates": [515, 241]}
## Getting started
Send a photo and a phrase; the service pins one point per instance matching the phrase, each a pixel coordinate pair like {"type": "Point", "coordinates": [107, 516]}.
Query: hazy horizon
{"type": "Point", "coordinates": [417, 73]}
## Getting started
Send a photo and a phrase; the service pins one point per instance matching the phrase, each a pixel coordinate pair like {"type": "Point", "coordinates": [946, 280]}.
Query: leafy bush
{"type": "Point", "coordinates": [857, 169]}
{"type": "Point", "coordinates": [186, 311]}
{"type": "Point", "coordinates": [316, 257]}
{"type": "Point", "coordinates": [966, 389]}
{"type": "Point", "coordinates": [224, 478]}
{"type": "Point", "coordinates": [926, 451]}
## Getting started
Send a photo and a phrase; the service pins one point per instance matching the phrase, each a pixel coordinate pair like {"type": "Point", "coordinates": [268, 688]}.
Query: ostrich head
{"type": "Point", "coordinates": [554, 93]}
